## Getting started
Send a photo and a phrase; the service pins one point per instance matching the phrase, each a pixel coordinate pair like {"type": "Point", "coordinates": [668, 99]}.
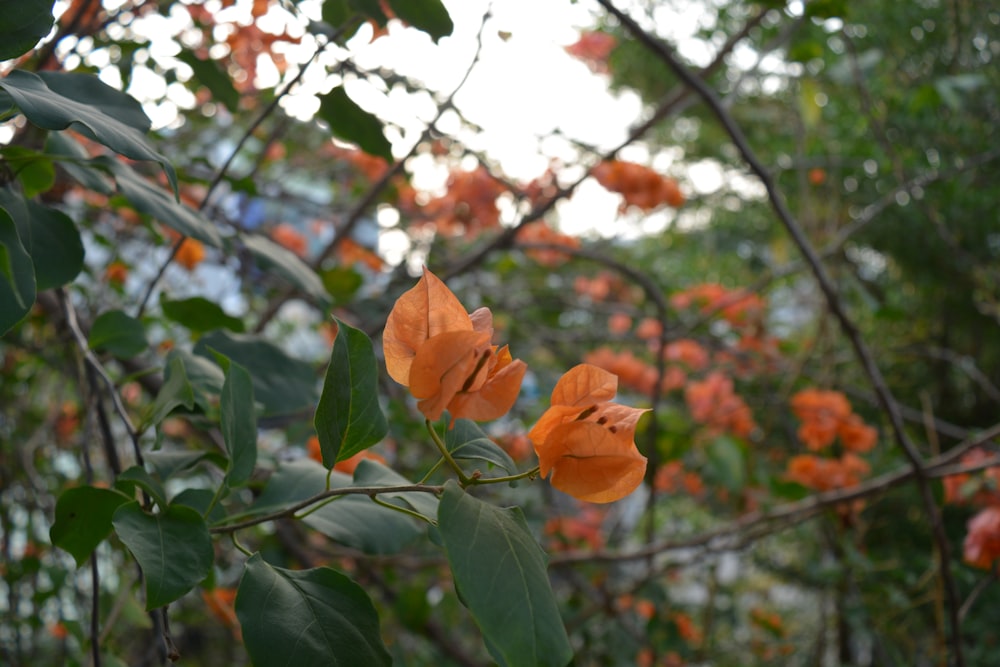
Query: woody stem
{"type": "Point", "coordinates": [463, 479]}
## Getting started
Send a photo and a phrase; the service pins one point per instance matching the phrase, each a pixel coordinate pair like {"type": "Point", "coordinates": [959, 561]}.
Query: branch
{"type": "Point", "coordinates": [289, 511]}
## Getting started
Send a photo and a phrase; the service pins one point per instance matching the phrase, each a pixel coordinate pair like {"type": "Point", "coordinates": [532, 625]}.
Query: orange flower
{"type": "Point", "coordinates": [982, 543]}
{"type": "Point", "coordinates": [445, 356]}
{"type": "Point", "coordinates": [586, 442]}
{"type": "Point", "coordinates": [116, 273]}
{"type": "Point", "coordinates": [221, 602]}
{"type": "Point", "coordinates": [286, 235]}
{"type": "Point", "coordinates": [348, 465]}
{"type": "Point", "coordinates": [190, 254]}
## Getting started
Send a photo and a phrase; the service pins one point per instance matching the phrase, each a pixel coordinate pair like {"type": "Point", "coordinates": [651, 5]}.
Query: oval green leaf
{"type": "Point", "coordinates": [83, 519]}
{"type": "Point", "coordinates": [500, 573]}
{"type": "Point", "coordinates": [173, 549]}
{"type": "Point", "coordinates": [307, 617]}
{"type": "Point", "coordinates": [117, 333]}
{"type": "Point", "coordinates": [348, 417]}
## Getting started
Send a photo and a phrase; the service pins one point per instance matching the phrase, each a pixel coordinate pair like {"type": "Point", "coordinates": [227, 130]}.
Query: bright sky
{"type": "Point", "coordinates": [523, 88]}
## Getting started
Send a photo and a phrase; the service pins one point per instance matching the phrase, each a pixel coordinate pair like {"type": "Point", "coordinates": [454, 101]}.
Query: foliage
{"type": "Point", "coordinates": [772, 375]}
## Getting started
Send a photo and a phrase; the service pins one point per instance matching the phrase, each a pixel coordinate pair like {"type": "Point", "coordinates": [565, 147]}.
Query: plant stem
{"type": "Point", "coordinates": [463, 479]}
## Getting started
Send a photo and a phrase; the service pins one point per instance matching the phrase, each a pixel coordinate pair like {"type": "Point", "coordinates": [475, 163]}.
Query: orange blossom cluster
{"type": "Point", "coordinates": [638, 185]}
{"type": "Point", "coordinates": [982, 541]}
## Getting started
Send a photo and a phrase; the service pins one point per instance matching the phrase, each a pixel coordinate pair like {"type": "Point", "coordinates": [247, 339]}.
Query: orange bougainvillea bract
{"type": "Point", "coordinates": [445, 355]}
{"type": "Point", "coordinates": [585, 443]}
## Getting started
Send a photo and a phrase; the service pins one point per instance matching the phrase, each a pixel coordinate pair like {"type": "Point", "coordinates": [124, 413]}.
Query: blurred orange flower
{"type": "Point", "coordinates": [190, 254]}
{"type": "Point", "coordinates": [445, 356]}
{"type": "Point", "coordinates": [585, 444]}
{"type": "Point", "coordinates": [348, 465]}
{"type": "Point", "coordinates": [982, 543]}
{"type": "Point", "coordinates": [116, 273]}
{"type": "Point", "coordinates": [286, 235]}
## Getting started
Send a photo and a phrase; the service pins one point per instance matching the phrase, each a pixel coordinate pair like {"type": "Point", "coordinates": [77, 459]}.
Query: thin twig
{"type": "Point", "coordinates": [332, 493]}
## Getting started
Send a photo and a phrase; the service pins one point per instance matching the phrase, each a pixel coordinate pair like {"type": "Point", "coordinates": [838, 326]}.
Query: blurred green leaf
{"type": "Point", "coordinates": [351, 123]}
{"type": "Point", "coordinates": [117, 333]}
{"type": "Point", "coordinates": [431, 16]}
{"type": "Point", "coordinates": [210, 74]}
{"type": "Point", "coordinates": [34, 170]}
{"type": "Point", "coordinates": [281, 384]}
{"type": "Point", "coordinates": [175, 392]}
{"type": "Point", "coordinates": [17, 275]}
{"type": "Point", "coordinates": [199, 314]}
{"type": "Point", "coordinates": [92, 115]}
{"type": "Point", "coordinates": [22, 25]}
{"type": "Point", "coordinates": [288, 264]}
{"type": "Point", "coordinates": [56, 247]}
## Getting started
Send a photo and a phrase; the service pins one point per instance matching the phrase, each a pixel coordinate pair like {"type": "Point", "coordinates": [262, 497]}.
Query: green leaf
{"type": "Point", "coordinates": [465, 440]}
{"type": "Point", "coordinates": [288, 264]}
{"type": "Point", "coordinates": [199, 314]}
{"type": "Point", "coordinates": [341, 283]}
{"type": "Point", "coordinates": [205, 377]}
{"type": "Point", "coordinates": [726, 462]}
{"type": "Point", "coordinates": [83, 520]}
{"type": "Point", "coordinates": [78, 163]}
{"type": "Point", "coordinates": [56, 247]}
{"type": "Point", "coordinates": [427, 15]}
{"type": "Point", "coordinates": [239, 423]}
{"type": "Point", "coordinates": [22, 24]}
{"type": "Point", "coordinates": [33, 169]}
{"type": "Point", "coordinates": [173, 549]}
{"type": "Point", "coordinates": [175, 392]}
{"type": "Point", "coordinates": [151, 200]}
{"type": "Point", "coordinates": [116, 104]}
{"type": "Point", "coordinates": [348, 417]}
{"type": "Point", "coordinates": [281, 384]}
{"type": "Point", "coordinates": [500, 573]}
{"type": "Point", "coordinates": [336, 12]}
{"type": "Point", "coordinates": [166, 463]}
{"type": "Point", "coordinates": [50, 110]}
{"type": "Point", "coordinates": [138, 477]}
{"type": "Point", "coordinates": [118, 333]}
{"type": "Point", "coordinates": [17, 275]}
{"type": "Point", "coordinates": [307, 617]}
{"type": "Point", "coordinates": [351, 123]}
{"type": "Point", "coordinates": [200, 500]}
{"type": "Point", "coordinates": [211, 75]}
{"type": "Point", "coordinates": [352, 520]}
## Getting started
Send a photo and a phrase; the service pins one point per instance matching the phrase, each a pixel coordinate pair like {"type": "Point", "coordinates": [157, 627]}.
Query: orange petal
{"type": "Point", "coordinates": [482, 319]}
{"type": "Point", "coordinates": [585, 385]}
{"type": "Point", "coordinates": [496, 397]}
{"type": "Point", "coordinates": [426, 310]}
{"type": "Point", "coordinates": [443, 366]}
{"type": "Point", "coordinates": [550, 419]}
{"type": "Point", "coordinates": [589, 463]}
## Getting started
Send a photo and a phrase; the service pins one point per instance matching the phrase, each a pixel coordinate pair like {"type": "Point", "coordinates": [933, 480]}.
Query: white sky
{"type": "Point", "coordinates": [524, 87]}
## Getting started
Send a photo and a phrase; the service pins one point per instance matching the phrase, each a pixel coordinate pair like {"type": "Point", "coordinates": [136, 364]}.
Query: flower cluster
{"type": "Point", "coordinates": [827, 415]}
{"type": "Point", "coordinates": [638, 185]}
{"type": "Point", "coordinates": [584, 442]}
{"type": "Point", "coordinates": [446, 357]}
{"type": "Point", "coordinates": [982, 541]}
